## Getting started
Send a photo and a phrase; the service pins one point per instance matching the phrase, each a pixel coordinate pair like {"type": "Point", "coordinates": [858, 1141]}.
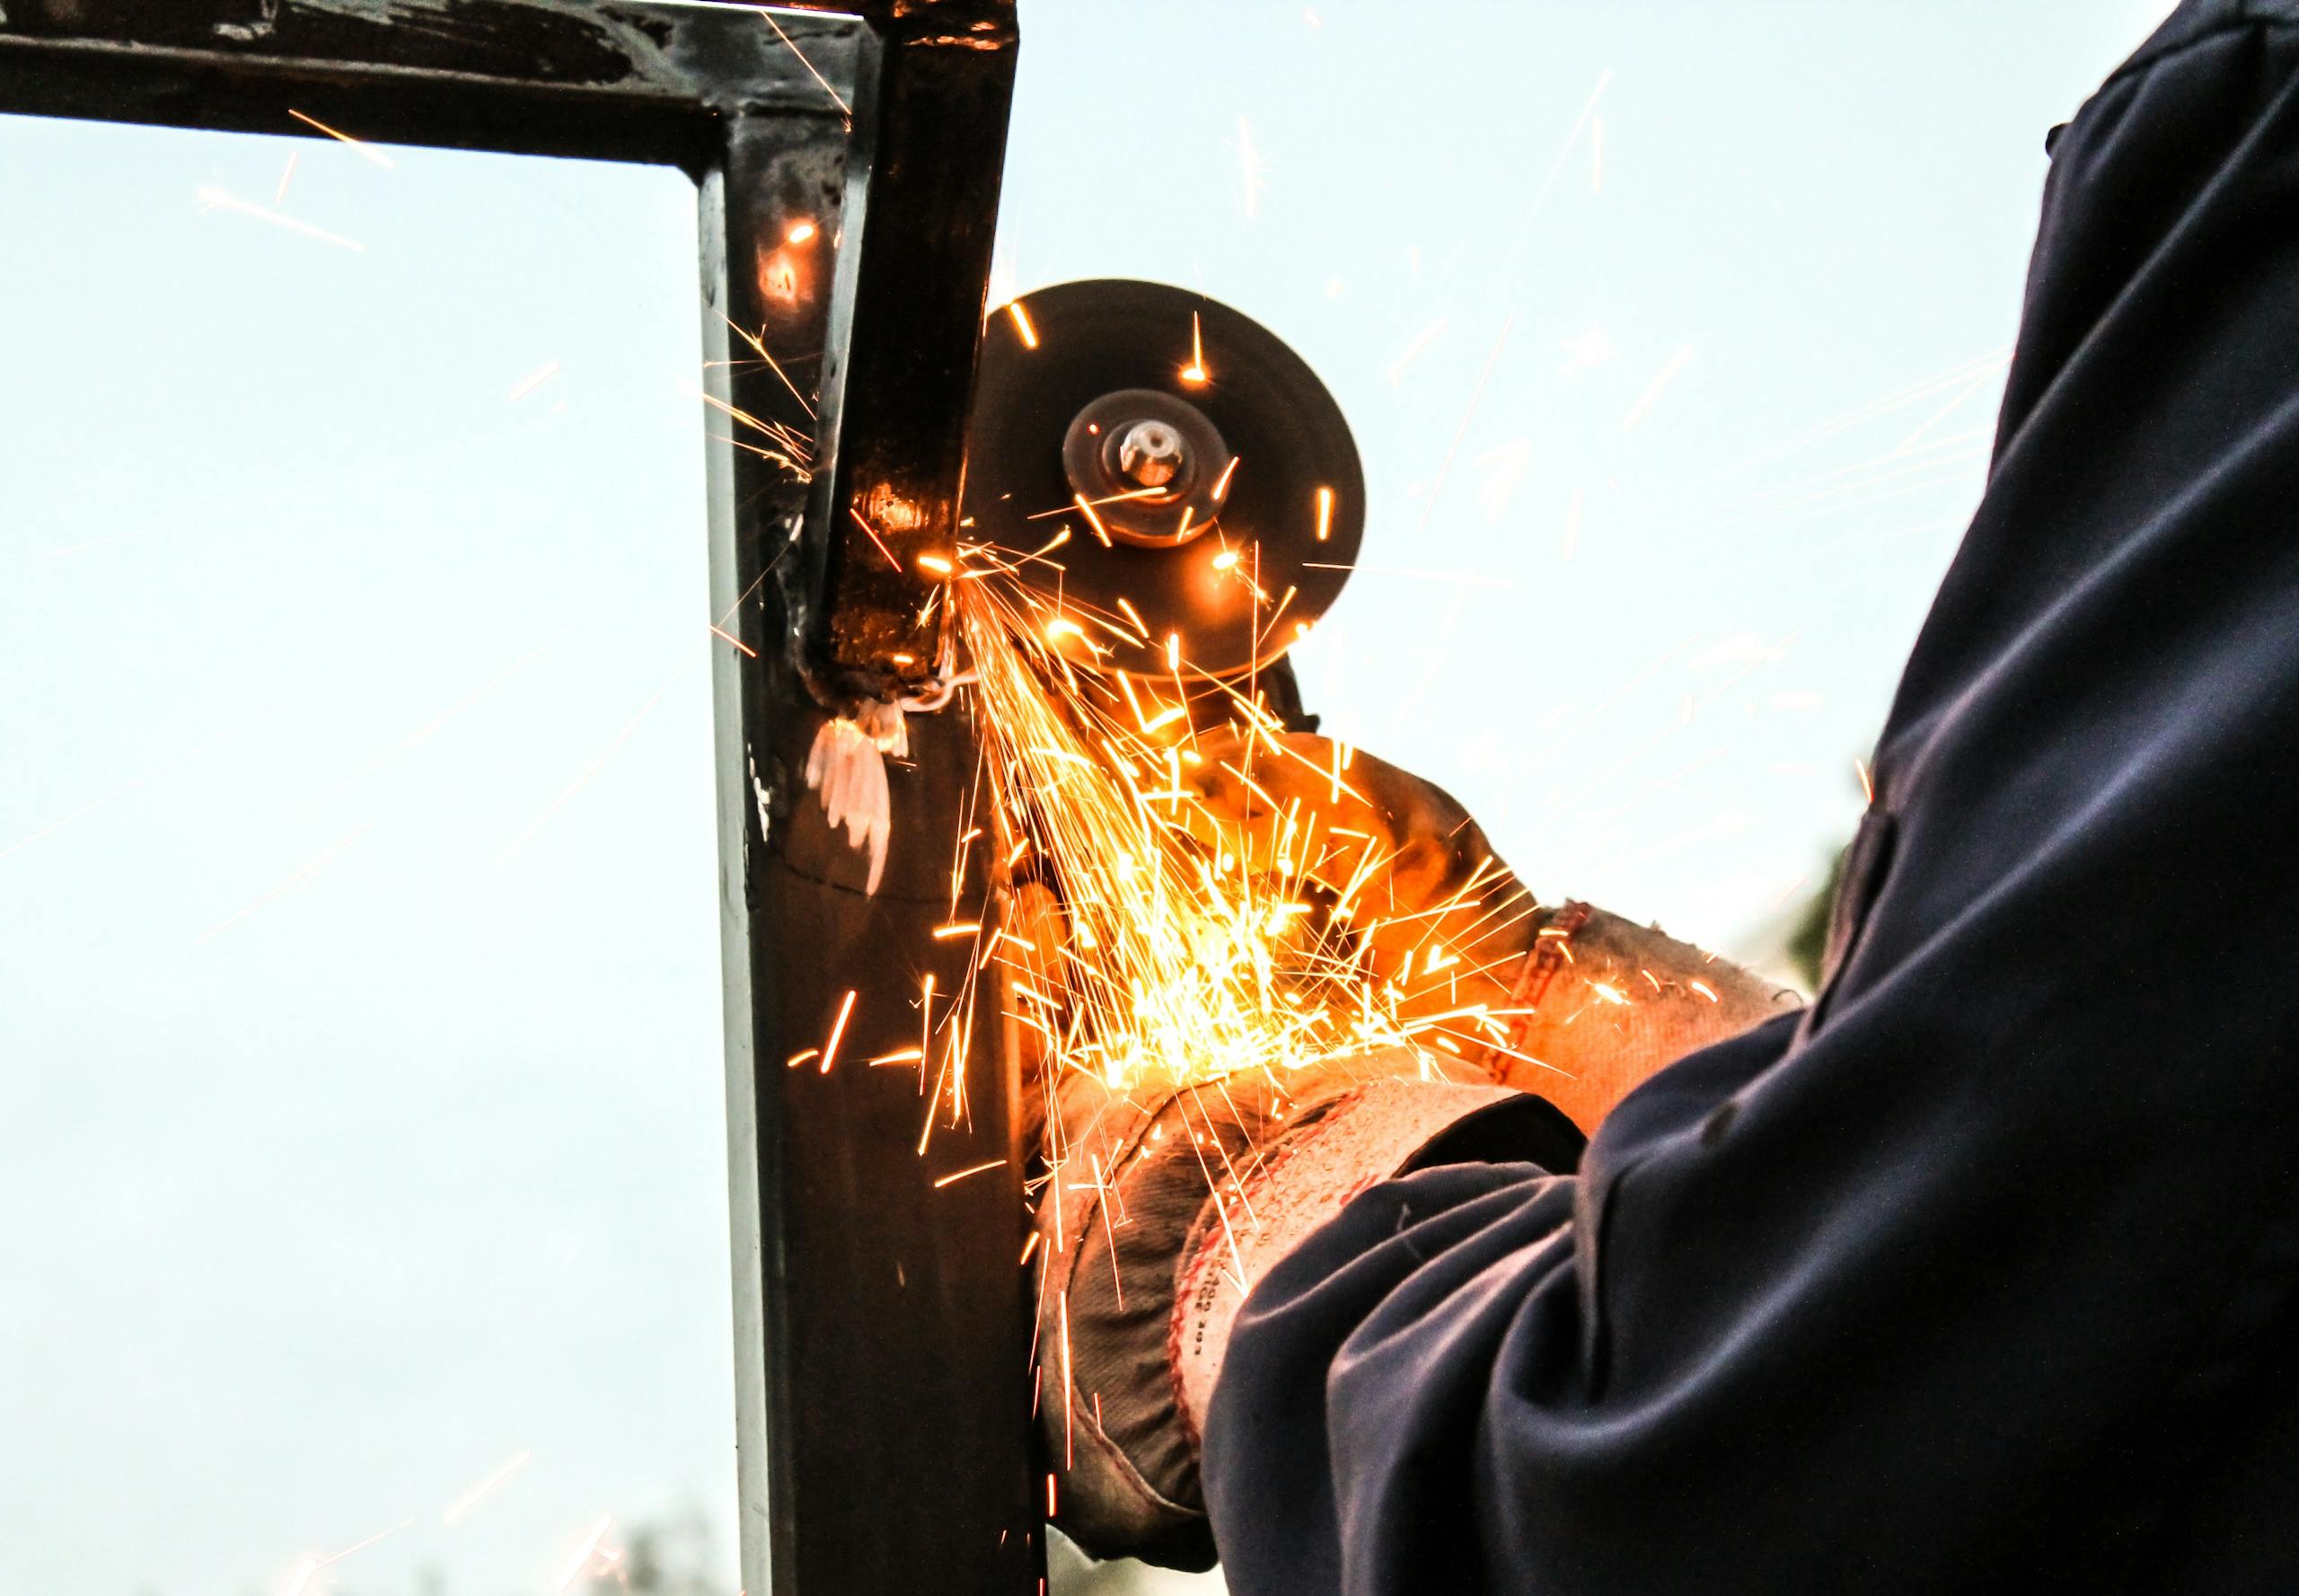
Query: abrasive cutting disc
{"type": "Point", "coordinates": [1208, 481]}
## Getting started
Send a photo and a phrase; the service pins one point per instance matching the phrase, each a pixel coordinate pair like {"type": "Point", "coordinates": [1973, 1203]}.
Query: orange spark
{"type": "Point", "coordinates": [975, 1170]}
{"type": "Point", "coordinates": [835, 97]}
{"type": "Point", "coordinates": [1101, 532]}
{"type": "Point", "coordinates": [871, 533]}
{"type": "Point", "coordinates": [1022, 324]}
{"type": "Point", "coordinates": [366, 151]}
{"type": "Point", "coordinates": [830, 1048]}
{"type": "Point", "coordinates": [738, 643]}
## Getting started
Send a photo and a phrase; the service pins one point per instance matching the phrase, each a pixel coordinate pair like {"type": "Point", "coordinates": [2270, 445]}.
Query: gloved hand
{"type": "Point", "coordinates": [1577, 1005]}
{"type": "Point", "coordinates": [1161, 1208]}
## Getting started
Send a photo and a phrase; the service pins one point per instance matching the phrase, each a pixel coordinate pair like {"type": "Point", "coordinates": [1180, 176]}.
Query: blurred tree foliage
{"type": "Point", "coordinates": [1808, 942]}
{"type": "Point", "coordinates": [678, 1557]}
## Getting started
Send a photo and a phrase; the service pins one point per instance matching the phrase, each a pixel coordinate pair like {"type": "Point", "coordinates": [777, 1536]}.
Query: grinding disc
{"type": "Point", "coordinates": [1208, 481]}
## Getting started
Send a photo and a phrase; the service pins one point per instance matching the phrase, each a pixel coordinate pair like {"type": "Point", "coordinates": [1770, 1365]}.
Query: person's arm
{"type": "Point", "coordinates": [1970, 1277]}
{"type": "Point", "coordinates": [1163, 1205]}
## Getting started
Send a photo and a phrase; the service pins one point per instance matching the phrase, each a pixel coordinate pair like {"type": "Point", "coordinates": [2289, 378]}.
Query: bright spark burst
{"type": "Point", "coordinates": [1190, 954]}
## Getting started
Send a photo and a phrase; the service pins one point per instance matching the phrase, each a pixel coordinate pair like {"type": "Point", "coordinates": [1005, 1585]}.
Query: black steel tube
{"type": "Point", "coordinates": [882, 1327]}
{"type": "Point", "coordinates": [931, 133]}
{"type": "Point", "coordinates": [881, 1333]}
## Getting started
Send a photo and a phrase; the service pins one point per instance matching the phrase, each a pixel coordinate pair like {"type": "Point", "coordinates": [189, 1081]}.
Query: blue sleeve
{"type": "Point", "coordinates": [1978, 1276]}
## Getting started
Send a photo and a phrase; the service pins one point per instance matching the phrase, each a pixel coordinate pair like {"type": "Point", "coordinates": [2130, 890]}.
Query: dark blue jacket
{"type": "Point", "coordinates": [1982, 1274]}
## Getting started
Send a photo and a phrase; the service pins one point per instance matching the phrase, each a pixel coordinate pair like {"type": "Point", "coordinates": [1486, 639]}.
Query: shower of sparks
{"type": "Point", "coordinates": [487, 1486]}
{"type": "Point", "coordinates": [1668, 373]}
{"type": "Point", "coordinates": [287, 176]}
{"type": "Point", "coordinates": [212, 197]}
{"type": "Point", "coordinates": [757, 341]}
{"type": "Point", "coordinates": [1194, 951]}
{"type": "Point", "coordinates": [366, 151]}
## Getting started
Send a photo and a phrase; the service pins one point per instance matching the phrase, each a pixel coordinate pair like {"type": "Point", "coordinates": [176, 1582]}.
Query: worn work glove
{"type": "Point", "coordinates": [1160, 1210]}
{"type": "Point", "coordinates": [1162, 1207]}
{"type": "Point", "coordinates": [1577, 1005]}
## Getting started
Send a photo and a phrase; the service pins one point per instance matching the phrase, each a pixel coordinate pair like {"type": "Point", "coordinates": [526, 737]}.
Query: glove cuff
{"type": "Point", "coordinates": [1300, 1181]}
{"type": "Point", "coordinates": [1600, 1003]}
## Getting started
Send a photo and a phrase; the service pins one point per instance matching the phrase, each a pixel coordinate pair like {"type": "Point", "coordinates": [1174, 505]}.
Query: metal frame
{"type": "Point", "coordinates": [882, 1329]}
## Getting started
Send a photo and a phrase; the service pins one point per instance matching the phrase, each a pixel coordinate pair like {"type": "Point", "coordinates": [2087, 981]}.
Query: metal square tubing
{"type": "Point", "coordinates": [882, 1333]}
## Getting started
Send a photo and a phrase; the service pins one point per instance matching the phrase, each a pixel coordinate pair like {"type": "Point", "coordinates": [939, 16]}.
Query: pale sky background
{"type": "Point", "coordinates": [360, 1113]}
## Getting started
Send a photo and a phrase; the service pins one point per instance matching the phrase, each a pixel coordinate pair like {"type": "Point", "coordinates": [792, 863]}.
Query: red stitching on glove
{"type": "Point", "coordinates": [1547, 955]}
